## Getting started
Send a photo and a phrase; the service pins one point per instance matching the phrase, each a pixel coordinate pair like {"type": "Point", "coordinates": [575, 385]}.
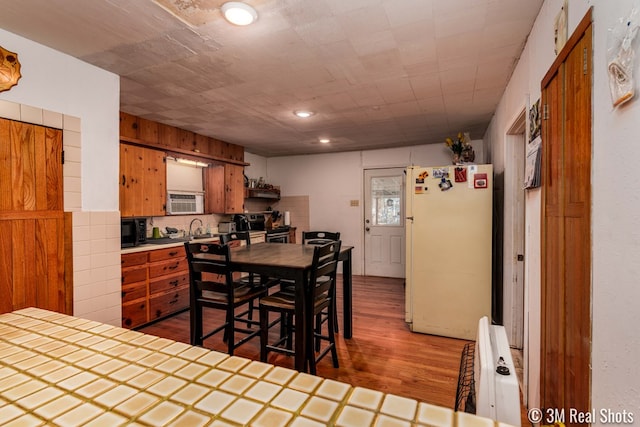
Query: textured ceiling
{"type": "Point", "coordinates": [378, 73]}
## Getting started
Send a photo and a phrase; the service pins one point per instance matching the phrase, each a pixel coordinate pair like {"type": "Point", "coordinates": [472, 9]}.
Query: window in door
{"type": "Point", "coordinates": [386, 196]}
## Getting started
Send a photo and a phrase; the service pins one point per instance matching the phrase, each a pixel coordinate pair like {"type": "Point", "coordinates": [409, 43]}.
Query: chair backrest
{"type": "Point", "coordinates": [219, 277]}
{"type": "Point", "coordinates": [242, 236]}
{"type": "Point", "coordinates": [319, 237]}
{"type": "Point", "coordinates": [324, 269]}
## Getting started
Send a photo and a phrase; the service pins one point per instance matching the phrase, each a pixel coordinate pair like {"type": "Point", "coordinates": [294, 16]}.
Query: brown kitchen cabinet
{"type": "Point", "coordinates": [155, 284]}
{"type": "Point", "coordinates": [143, 181]}
{"type": "Point", "coordinates": [224, 187]}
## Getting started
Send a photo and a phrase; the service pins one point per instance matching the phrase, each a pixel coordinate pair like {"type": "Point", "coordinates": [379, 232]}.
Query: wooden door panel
{"type": "Point", "coordinates": [566, 227]}
{"type": "Point", "coordinates": [32, 221]}
{"type": "Point", "coordinates": [154, 183]}
{"type": "Point", "coordinates": [53, 171]}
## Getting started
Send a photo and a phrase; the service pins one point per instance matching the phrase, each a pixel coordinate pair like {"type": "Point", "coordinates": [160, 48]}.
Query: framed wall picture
{"type": "Point", "coordinates": [534, 121]}
{"type": "Point", "coordinates": [532, 170]}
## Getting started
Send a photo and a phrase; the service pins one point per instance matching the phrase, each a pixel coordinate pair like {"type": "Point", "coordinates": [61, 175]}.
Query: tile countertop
{"type": "Point", "coordinates": [65, 371]}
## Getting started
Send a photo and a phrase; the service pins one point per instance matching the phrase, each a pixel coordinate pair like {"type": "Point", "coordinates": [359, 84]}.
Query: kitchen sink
{"type": "Point", "coordinates": [166, 240]}
{"type": "Point", "coordinates": [204, 236]}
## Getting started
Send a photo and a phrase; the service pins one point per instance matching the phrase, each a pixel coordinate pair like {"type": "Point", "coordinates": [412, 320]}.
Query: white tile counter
{"type": "Point", "coordinates": [61, 370]}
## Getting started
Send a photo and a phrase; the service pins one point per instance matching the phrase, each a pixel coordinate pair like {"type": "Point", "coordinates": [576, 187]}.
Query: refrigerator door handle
{"type": "Point", "coordinates": [410, 218]}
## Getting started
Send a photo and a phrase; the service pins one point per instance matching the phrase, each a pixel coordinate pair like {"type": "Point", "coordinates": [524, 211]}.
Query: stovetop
{"type": "Point", "coordinates": [281, 229]}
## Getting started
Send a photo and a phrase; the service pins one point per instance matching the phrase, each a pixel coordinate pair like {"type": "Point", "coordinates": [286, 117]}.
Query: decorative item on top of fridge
{"type": "Point", "coordinates": [620, 58]}
{"type": "Point", "coordinates": [461, 148]}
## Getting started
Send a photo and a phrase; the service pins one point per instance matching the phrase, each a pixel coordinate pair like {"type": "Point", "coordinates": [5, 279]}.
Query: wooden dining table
{"type": "Point", "coordinates": [293, 262]}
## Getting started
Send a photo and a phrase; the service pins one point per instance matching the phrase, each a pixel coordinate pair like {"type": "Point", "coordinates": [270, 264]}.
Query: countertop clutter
{"type": "Point", "coordinates": [61, 370]}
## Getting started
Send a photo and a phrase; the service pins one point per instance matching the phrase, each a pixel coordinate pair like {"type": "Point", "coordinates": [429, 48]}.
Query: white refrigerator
{"type": "Point", "coordinates": [448, 258]}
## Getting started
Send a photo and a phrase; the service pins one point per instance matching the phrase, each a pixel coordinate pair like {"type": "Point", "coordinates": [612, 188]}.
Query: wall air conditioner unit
{"type": "Point", "coordinates": [185, 203]}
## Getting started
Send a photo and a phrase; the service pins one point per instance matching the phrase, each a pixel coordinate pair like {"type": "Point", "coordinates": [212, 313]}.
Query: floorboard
{"type": "Point", "coordinates": [383, 353]}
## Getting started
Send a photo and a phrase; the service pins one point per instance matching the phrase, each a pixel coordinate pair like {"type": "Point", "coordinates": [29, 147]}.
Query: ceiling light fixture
{"type": "Point", "coordinates": [325, 140]}
{"type": "Point", "coordinates": [303, 114]}
{"type": "Point", "coordinates": [239, 13]}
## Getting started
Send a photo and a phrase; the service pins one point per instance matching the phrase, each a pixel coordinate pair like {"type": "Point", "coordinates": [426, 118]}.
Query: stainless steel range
{"type": "Point", "coordinates": [278, 235]}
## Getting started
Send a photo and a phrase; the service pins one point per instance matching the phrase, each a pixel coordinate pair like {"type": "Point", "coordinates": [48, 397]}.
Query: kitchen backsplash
{"type": "Point", "coordinates": [297, 206]}
{"type": "Point", "coordinates": [181, 222]}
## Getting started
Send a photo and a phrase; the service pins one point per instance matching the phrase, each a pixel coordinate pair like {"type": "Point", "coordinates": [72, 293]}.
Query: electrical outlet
{"type": "Point", "coordinates": [355, 203]}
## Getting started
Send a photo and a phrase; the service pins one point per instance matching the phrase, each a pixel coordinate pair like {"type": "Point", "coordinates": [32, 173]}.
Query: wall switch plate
{"type": "Point", "coordinates": [355, 203]}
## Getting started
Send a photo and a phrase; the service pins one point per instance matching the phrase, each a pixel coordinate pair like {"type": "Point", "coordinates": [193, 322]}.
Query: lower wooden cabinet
{"type": "Point", "coordinates": [155, 284]}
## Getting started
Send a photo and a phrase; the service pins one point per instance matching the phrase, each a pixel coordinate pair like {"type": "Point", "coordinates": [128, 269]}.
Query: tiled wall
{"type": "Point", "coordinates": [96, 235]}
{"type": "Point", "coordinates": [298, 207]}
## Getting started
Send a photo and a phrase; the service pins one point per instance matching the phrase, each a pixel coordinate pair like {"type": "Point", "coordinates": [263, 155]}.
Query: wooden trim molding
{"type": "Point", "coordinates": [181, 152]}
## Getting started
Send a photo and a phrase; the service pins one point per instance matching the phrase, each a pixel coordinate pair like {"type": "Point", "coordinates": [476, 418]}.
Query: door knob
{"type": "Point", "coordinates": [367, 229]}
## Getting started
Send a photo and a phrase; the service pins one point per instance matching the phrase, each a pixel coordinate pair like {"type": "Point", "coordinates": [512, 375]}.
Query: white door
{"type": "Point", "coordinates": [513, 261]}
{"type": "Point", "coordinates": [384, 222]}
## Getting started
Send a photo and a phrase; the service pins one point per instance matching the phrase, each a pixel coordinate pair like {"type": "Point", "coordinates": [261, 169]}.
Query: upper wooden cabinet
{"type": "Point", "coordinates": [224, 186]}
{"type": "Point", "coordinates": [146, 132]}
{"type": "Point", "coordinates": [143, 181]}
{"type": "Point", "coordinates": [144, 146]}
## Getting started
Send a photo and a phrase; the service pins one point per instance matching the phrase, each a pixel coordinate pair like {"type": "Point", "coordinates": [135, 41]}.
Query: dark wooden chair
{"type": "Point", "coordinates": [319, 237]}
{"type": "Point", "coordinates": [320, 295]}
{"type": "Point", "coordinates": [212, 285]}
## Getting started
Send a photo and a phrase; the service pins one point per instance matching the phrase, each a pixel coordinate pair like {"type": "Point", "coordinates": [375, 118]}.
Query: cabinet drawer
{"type": "Point", "coordinates": [168, 267]}
{"type": "Point", "coordinates": [134, 314]}
{"type": "Point", "coordinates": [134, 292]}
{"type": "Point", "coordinates": [167, 284]}
{"type": "Point", "coordinates": [165, 304]}
{"type": "Point", "coordinates": [136, 258]}
{"type": "Point", "coordinates": [133, 275]}
{"type": "Point", "coordinates": [169, 253]}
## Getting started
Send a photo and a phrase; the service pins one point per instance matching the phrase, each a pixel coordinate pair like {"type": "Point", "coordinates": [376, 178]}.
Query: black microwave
{"type": "Point", "coordinates": [133, 232]}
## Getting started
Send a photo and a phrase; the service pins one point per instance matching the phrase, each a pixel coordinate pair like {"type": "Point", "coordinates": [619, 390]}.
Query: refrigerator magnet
{"type": "Point", "coordinates": [460, 174]}
{"type": "Point", "coordinates": [480, 180]}
{"type": "Point", "coordinates": [422, 176]}
{"type": "Point", "coordinates": [445, 184]}
{"type": "Point", "coordinates": [440, 173]}
{"type": "Point", "coordinates": [419, 189]}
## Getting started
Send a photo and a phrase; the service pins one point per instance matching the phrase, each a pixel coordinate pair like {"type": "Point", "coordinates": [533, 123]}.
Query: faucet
{"type": "Point", "coordinates": [191, 225]}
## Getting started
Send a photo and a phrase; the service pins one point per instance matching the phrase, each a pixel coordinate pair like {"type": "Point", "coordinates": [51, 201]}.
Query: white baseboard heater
{"type": "Point", "coordinates": [487, 382]}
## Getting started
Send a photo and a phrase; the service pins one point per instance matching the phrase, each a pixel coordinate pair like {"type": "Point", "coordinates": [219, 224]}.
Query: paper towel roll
{"type": "Point", "coordinates": [287, 218]}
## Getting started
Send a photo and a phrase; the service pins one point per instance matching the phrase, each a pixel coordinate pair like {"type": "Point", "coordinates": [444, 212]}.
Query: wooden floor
{"type": "Point", "coordinates": [383, 354]}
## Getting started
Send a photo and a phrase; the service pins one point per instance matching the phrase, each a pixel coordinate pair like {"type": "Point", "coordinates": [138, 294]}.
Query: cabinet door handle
{"type": "Point", "coordinates": [174, 282]}
{"type": "Point", "coordinates": [173, 267]}
{"type": "Point", "coordinates": [173, 253]}
{"type": "Point", "coordinates": [124, 180]}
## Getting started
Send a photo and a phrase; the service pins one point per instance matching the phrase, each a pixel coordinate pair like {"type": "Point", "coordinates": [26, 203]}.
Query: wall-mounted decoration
{"type": "Point", "coordinates": [534, 121]}
{"type": "Point", "coordinates": [9, 69]}
{"type": "Point", "coordinates": [560, 30]}
{"type": "Point", "coordinates": [532, 169]}
{"type": "Point", "coordinates": [620, 58]}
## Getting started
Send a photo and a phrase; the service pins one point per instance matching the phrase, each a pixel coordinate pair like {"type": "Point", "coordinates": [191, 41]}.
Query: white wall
{"type": "Point", "coordinates": [86, 100]}
{"type": "Point", "coordinates": [332, 180]}
{"type": "Point", "coordinates": [615, 207]}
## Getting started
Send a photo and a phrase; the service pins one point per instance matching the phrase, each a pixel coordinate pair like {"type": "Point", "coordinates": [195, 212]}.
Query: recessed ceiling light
{"type": "Point", "coordinates": [325, 140]}
{"type": "Point", "coordinates": [303, 113]}
{"type": "Point", "coordinates": [239, 13]}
